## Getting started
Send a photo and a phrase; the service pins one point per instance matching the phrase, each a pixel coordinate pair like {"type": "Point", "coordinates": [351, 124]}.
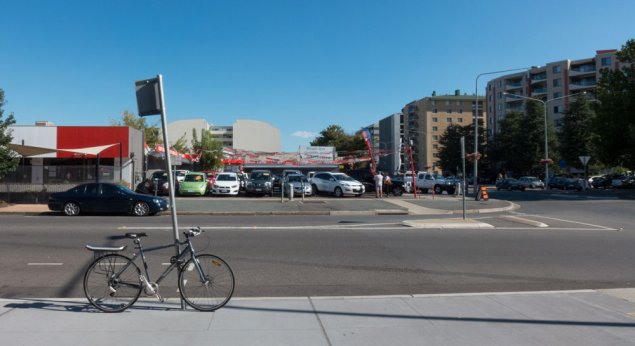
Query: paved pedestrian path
{"type": "Point", "coordinates": [584, 317]}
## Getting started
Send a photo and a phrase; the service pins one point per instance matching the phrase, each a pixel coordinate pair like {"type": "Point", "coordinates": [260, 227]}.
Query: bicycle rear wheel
{"type": "Point", "coordinates": [112, 283]}
{"type": "Point", "coordinates": [211, 291]}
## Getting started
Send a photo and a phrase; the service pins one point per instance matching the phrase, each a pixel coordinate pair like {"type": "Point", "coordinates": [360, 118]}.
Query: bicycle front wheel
{"type": "Point", "coordinates": [211, 287]}
{"type": "Point", "coordinates": [112, 283]}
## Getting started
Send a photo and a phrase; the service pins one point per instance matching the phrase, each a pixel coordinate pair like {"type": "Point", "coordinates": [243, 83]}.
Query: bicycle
{"type": "Point", "coordinates": [113, 282]}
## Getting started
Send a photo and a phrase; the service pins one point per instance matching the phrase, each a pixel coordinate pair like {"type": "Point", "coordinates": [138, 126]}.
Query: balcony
{"type": "Point", "coordinates": [581, 70]}
{"type": "Point", "coordinates": [513, 86]}
{"type": "Point", "coordinates": [538, 91]}
{"type": "Point", "coordinates": [538, 78]}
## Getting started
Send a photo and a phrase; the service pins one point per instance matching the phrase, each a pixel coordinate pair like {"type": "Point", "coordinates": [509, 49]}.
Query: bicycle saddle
{"type": "Point", "coordinates": [135, 235]}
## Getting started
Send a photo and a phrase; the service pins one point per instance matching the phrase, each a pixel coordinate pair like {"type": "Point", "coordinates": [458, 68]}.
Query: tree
{"type": "Point", "coordinates": [181, 145]}
{"type": "Point", "coordinates": [615, 121]}
{"type": "Point", "coordinates": [334, 136]}
{"type": "Point", "coordinates": [8, 158]}
{"type": "Point", "coordinates": [576, 132]}
{"type": "Point", "coordinates": [209, 149]}
{"type": "Point", "coordinates": [450, 158]}
{"type": "Point", "coordinates": [151, 132]}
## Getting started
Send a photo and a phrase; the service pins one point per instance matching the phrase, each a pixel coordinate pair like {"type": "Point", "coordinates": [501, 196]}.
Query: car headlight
{"type": "Point", "coordinates": [268, 183]}
{"type": "Point", "coordinates": [234, 186]}
{"type": "Point", "coordinates": [216, 186]}
{"type": "Point", "coordinates": [156, 200]}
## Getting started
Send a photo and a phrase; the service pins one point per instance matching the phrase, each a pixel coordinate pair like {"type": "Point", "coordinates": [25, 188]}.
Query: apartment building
{"type": "Point", "coordinates": [552, 83]}
{"type": "Point", "coordinates": [391, 132]}
{"type": "Point", "coordinates": [427, 119]}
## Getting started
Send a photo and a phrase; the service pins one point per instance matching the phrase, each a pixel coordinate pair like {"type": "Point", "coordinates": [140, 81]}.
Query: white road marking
{"type": "Point", "coordinates": [571, 221]}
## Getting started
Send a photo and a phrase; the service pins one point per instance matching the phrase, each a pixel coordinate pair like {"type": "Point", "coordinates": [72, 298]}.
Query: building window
{"type": "Point", "coordinates": [499, 107]}
{"type": "Point", "coordinates": [500, 94]}
{"type": "Point", "coordinates": [606, 61]}
{"type": "Point", "coordinates": [449, 111]}
{"type": "Point", "coordinates": [435, 146]}
{"type": "Point", "coordinates": [500, 83]}
{"type": "Point", "coordinates": [556, 82]}
{"type": "Point", "coordinates": [434, 110]}
{"type": "Point", "coordinates": [556, 109]}
{"type": "Point", "coordinates": [435, 155]}
{"type": "Point", "coordinates": [557, 94]}
{"type": "Point", "coordinates": [434, 102]}
{"type": "Point", "coordinates": [447, 102]}
{"type": "Point", "coordinates": [459, 120]}
{"type": "Point", "coordinates": [460, 110]}
{"type": "Point", "coordinates": [556, 69]}
{"type": "Point", "coordinates": [435, 119]}
{"type": "Point", "coordinates": [435, 137]}
{"type": "Point", "coordinates": [448, 120]}
{"type": "Point", "coordinates": [435, 128]}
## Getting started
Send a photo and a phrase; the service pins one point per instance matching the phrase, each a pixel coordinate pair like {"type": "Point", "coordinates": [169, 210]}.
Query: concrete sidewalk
{"type": "Point", "coordinates": [405, 205]}
{"type": "Point", "coordinates": [584, 317]}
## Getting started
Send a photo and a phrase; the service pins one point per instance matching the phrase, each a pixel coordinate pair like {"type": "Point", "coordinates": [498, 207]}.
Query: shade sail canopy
{"type": "Point", "coordinates": [27, 150]}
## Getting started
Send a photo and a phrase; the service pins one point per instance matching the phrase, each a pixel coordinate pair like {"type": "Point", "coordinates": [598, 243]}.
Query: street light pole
{"type": "Point", "coordinates": [476, 121]}
{"type": "Point", "coordinates": [544, 104]}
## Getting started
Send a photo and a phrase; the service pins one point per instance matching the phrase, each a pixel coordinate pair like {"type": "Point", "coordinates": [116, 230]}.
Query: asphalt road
{"type": "Point", "coordinates": [588, 243]}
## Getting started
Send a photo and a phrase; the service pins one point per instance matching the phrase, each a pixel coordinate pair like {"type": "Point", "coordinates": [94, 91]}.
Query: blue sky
{"type": "Point", "coordinates": [298, 65]}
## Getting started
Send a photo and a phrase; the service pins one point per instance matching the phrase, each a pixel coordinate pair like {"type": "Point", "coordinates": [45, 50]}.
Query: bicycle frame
{"type": "Point", "coordinates": [174, 261]}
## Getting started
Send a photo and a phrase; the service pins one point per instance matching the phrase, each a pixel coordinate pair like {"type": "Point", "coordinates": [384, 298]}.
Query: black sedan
{"type": "Point", "coordinates": [510, 184]}
{"type": "Point", "coordinates": [105, 198]}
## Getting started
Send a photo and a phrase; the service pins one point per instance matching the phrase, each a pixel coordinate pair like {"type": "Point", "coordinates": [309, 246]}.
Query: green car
{"type": "Point", "coordinates": [194, 183]}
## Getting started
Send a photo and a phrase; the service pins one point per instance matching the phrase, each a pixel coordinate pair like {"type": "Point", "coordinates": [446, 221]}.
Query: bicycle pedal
{"type": "Point", "coordinates": [161, 299]}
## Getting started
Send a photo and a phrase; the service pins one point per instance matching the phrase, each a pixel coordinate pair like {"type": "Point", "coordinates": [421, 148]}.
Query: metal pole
{"type": "Point", "coordinates": [546, 146]}
{"type": "Point", "coordinates": [166, 143]}
{"type": "Point", "coordinates": [463, 160]}
{"type": "Point", "coordinates": [120, 162]}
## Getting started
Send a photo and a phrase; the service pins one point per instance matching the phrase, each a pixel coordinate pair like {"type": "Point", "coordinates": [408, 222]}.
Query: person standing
{"type": "Point", "coordinates": [388, 184]}
{"type": "Point", "coordinates": [379, 179]}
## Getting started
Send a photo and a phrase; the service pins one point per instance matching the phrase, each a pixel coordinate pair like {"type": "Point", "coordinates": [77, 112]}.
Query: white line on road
{"type": "Point", "coordinates": [570, 221]}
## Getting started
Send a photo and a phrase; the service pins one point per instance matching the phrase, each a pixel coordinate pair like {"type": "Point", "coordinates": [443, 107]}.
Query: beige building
{"type": "Point", "coordinates": [551, 83]}
{"type": "Point", "coordinates": [427, 119]}
{"type": "Point", "coordinates": [251, 135]}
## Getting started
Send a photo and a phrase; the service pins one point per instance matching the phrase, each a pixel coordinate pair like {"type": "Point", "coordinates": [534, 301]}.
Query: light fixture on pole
{"type": "Point", "coordinates": [476, 118]}
{"type": "Point", "coordinates": [546, 160]}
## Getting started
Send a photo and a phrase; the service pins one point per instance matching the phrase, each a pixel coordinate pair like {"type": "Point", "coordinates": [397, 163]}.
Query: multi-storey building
{"type": "Point", "coordinates": [427, 119]}
{"type": "Point", "coordinates": [551, 83]}
{"type": "Point", "coordinates": [391, 132]}
{"type": "Point", "coordinates": [252, 135]}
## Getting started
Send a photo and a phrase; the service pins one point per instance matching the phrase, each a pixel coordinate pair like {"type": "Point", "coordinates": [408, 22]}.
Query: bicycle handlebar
{"type": "Point", "coordinates": [193, 232]}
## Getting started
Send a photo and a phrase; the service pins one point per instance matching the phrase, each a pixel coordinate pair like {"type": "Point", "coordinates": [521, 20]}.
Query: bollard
{"type": "Point", "coordinates": [291, 192]}
{"type": "Point", "coordinates": [281, 192]}
{"type": "Point", "coordinates": [302, 184]}
{"type": "Point", "coordinates": [484, 193]}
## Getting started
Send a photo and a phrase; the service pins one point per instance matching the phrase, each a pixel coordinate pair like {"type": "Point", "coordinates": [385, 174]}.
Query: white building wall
{"type": "Point", "coordinates": [256, 135]}
{"type": "Point", "coordinates": [178, 128]}
{"type": "Point", "coordinates": [36, 136]}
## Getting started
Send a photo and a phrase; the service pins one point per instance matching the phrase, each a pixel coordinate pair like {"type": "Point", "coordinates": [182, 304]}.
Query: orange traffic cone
{"type": "Point", "coordinates": [484, 193]}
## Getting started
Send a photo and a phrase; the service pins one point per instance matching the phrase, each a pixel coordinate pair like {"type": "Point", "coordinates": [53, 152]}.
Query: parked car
{"type": "Point", "coordinates": [243, 178]}
{"type": "Point", "coordinates": [573, 184]}
{"type": "Point", "coordinates": [226, 183]}
{"type": "Point", "coordinates": [601, 182]}
{"type": "Point", "coordinates": [260, 183]}
{"type": "Point", "coordinates": [105, 198]}
{"type": "Point", "coordinates": [158, 181]}
{"type": "Point", "coordinates": [339, 184]}
{"type": "Point", "coordinates": [532, 182]}
{"type": "Point", "coordinates": [180, 174]}
{"type": "Point", "coordinates": [395, 188]}
{"type": "Point", "coordinates": [211, 176]}
{"type": "Point", "coordinates": [300, 183]}
{"type": "Point", "coordinates": [431, 181]}
{"type": "Point", "coordinates": [194, 183]}
{"type": "Point", "coordinates": [510, 184]}
{"type": "Point", "coordinates": [557, 182]}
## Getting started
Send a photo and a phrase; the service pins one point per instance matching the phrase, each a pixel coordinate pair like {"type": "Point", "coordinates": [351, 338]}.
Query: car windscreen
{"type": "Point", "coordinates": [226, 177]}
{"type": "Point", "coordinates": [343, 177]}
{"type": "Point", "coordinates": [297, 179]}
{"type": "Point", "coordinates": [193, 178]}
{"type": "Point", "coordinates": [159, 175]}
{"type": "Point", "coordinates": [260, 175]}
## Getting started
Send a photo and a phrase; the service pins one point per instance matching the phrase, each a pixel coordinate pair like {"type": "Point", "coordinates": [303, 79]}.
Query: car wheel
{"type": "Point", "coordinates": [437, 190]}
{"type": "Point", "coordinates": [141, 209]}
{"type": "Point", "coordinates": [315, 189]}
{"type": "Point", "coordinates": [450, 191]}
{"type": "Point", "coordinates": [338, 192]}
{"type": "Point", "coordinates": [397, 191]}
{"type": "Point", "coordinates": [71, 209]}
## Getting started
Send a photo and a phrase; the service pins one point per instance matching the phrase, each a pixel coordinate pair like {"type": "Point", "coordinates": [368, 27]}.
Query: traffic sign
{"type": "Point", "coordinates": [584, 159]}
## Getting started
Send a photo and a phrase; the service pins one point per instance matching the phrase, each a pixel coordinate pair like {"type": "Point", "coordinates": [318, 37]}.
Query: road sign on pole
{"type": "Point", "coordinates": [584, 159]}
